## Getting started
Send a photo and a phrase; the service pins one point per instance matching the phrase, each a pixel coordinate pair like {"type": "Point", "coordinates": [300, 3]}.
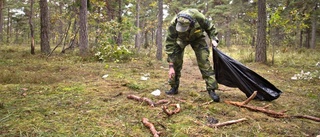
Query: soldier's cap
{"type": "Point", "coordinates": [183, 24]}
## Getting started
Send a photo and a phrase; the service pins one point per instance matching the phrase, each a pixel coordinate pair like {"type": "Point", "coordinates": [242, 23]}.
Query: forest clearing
{"type": "Point", "coordinates": [64, 95]}
{"type": "Point", "coordinates": [112, 68]}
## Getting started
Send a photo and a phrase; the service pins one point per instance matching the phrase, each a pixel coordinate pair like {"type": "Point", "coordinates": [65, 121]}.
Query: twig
{"type": "Point", "coordinates": [143, 99]}
{"type": "Point", "coordinates": [223, 123]}
{"type": "Point", "coordinates": [163, 101]}
{"type": "Point", "coordinates": [308, 117]}
{"type": "Point", "coordinates": [168, 112]}
{"type": "Point", "coordinates": [254, 108]}
{"type": "Point", "coordinates": [206, 103]}
{"type": "Point", "coordinates": [227, 123]}
{"type": "Point", "coordinates": [153, 130]}
{"type": "Point", "coordinates": [264, 109]}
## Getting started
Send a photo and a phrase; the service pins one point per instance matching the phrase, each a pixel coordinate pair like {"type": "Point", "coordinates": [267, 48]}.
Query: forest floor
{"type": "Point", "coordinates": [65, 95]}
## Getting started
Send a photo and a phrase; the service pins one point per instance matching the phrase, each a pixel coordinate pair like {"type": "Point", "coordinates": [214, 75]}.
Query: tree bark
{"type": "Point", "coordinates": [8, 26]}
{"type": "Point", "coordinates": [159, 30]}
{"type": "Point", "coordinates": [31, 28]}
{"type": "Point", "coordinates": [261, 50]}
{"type": "Point", "coordinates": [83, 41]}
{"type": "Point", "coordinates": [44, 36]}
{"type": "Point", "coordinates": [314, 28]}
{"type": "Point", "coordinates": [119, 38]}
{"type": "Point", "coordinates": [137, 36]}
{"type": "Point", "coordinates": [1, 20]}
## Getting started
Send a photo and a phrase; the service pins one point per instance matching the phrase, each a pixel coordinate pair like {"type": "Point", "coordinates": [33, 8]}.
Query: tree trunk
{"type": "Point", "coordinates": [159, 30]}
{"type": "Point", "coordinates": [307, 41]}
{"type": "Point", "coordinates": [300, 39]}
{"type": "Point", "coordinates": [137, 37]}
{"type": "Point", "coordinates": [261, 50]}
{"type": "Point", "coordinates": [314, 28]}
{"type": "Point", "coordinates": [60, 21]}
{"type": "Point", "coordinates": [83, 41]}
{"type": "Point", "coordinates": [97, 27]}
{"type": "Point", "coordinates": [1, 20]}
{"type": "Point", "coordinates": [31, 28]}
{"type": "Point", "coordinates": [119, 38]}
{"type": "Point", "coordinates": [44, 36]}
{"type": "Point", "coordinates": [8, 26]}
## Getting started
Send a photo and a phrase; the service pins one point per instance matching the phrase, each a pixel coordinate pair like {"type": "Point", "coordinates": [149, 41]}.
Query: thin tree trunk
{"type": "Point", "coordinates": [314, 28]}
{"type": "Point", "coordinates": [137, 37]}
{"type": "Point", "coordinates": [159, 30]}
{"type": "Point", "coordinates": [119, 39]}
{"type": "Point", "coordinates": [31, 28]}
{"type": "Point", "coordinates": [97, 28]}
{"type": "Point", "coordinates": [45, 46]}
{"type": "Point", "coordinates": [261, 49]}
{"type": "Point", "coordinates": [1, 20]}
{"type": "Point", "coordinates": [60, 21]}
{"type": "Point", "coordinates": [83, 41]}
{"type": "Point", "coordinates": [8, 26]}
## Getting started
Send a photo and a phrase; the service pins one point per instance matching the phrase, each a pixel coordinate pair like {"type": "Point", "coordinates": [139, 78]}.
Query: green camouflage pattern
{"type": "Point", "coordinates": [177, 41]}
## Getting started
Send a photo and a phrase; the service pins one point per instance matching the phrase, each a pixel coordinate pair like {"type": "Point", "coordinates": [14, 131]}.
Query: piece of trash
{"type": "Point", "coordinates": [146, 75]}
{"type": "Point", "coordinates": [105, 76]}
{"type": "Point", "coordinates": [294, 77]}
{"type": "Point", "coordinates": [144, 78]}
{"type": "Point", "coordinates": [156, 92]}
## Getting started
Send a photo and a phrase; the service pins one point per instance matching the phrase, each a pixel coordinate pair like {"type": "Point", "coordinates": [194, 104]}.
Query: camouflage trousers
{"type": "Point", "coordinates": [202, 54]}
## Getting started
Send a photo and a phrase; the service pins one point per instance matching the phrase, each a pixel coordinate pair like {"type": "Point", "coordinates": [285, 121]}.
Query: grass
{"type": "Point", "coordinates": [65, 95]}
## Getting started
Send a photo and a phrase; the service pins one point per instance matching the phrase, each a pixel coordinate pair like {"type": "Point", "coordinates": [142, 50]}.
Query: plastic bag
{"type": "Point", "coordinates": [232, 73]}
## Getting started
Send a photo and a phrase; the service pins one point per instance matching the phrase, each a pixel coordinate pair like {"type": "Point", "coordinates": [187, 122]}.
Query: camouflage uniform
{"type": "Point", "coordinates": [177, 41]}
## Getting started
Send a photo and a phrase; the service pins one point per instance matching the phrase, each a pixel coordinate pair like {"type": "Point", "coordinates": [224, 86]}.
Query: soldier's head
{"type": "Point", "coordinates": [183, 24]}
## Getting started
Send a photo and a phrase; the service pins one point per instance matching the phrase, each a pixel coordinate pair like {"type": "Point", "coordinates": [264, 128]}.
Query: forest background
{"type": "Point", "coordinates": [45, 45]}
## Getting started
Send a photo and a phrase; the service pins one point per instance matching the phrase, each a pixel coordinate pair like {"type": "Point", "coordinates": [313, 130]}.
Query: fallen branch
{"type": "Point", "coordinates": [168, 112]}
{"type": "Point", "coordinates": [153, 130]}
{"type": "Point", "coordinates": [227, 123]}
{"type": "Point", "coordinates": [223, 123]}
{"type": "Point", "coordinates": [206, 103]}
{"type": "Point", "coordinates": [265, 109]}
{"type": "Point", "coordinates": [308, 117]}
{"type": "Point", "coordinates": [143, 99]}
{"type": "Point", "coordinates": [254, 108]}
{"type": "Point", "coordinates": [161, 102]}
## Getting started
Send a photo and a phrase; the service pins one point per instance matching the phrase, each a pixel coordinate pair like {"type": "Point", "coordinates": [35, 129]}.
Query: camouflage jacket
{"type": "Point", "coordinates": [194, 34]}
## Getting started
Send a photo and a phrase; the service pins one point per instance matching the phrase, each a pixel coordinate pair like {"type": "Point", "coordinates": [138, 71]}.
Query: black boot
{"type": "Point", "coordinates": [173, 91]}
{"type": "Point", "coordinates": [214, 96]}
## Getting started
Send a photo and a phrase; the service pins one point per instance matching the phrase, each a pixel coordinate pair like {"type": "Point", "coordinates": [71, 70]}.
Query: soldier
{"type": "Point", "coordinates": [188, 27]}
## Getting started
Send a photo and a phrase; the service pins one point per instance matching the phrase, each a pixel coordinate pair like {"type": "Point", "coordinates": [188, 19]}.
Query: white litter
{"type": "Point", "coordinates": [156, 92]}
{"type": "Point", "coordinates": [105, 76]}
{"type": "Point", "coordinates": [144, 78]}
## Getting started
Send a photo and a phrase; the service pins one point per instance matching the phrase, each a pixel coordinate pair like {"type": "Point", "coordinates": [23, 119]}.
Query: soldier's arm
{"type": "Point", "coordinates": [207, 26]}
{"type": "Point", "coordinates": [171, 41]}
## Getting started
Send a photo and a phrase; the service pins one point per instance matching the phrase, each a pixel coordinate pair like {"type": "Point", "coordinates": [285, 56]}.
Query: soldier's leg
{"type": "Point", "coordinates": [202, 52]}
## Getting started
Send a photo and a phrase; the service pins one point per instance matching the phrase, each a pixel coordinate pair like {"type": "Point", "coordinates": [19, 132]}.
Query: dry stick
{"type": "Point", "coordinates": [227, 123]}
{"type": "Point", "coordinates": [308, 117]}
{"type": "Point", "coordinates": [65, 35]}
{"type": "Point", "coordinates": [267, 111]}
{"type": "Point", "coordinates": [254, 94]}
{"type": "Point", "coordinates": [137, 98]}
{"type": "Point", "coordinates": [153, 130]}
{"type": "Point", "coordinates": [261, 109]}
{"type": "Point", "coordinates": [163, 101]}
{"type": "Point", "coordinates": [223, 123]}
{"type": "Point", "coordinates": [72, 41]}
{"type": "Point", "coordinates": [168, 112]}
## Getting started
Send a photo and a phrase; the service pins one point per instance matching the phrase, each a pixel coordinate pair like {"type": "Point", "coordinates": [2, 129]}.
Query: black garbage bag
{"type": "Point", "coordinates": [232, 73]}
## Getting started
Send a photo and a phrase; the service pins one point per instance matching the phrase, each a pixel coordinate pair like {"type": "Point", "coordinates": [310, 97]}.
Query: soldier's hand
{"type": "Point", "coordinates": [171, 73]}
{"type": "Point", "coordinates": [214, 43]}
